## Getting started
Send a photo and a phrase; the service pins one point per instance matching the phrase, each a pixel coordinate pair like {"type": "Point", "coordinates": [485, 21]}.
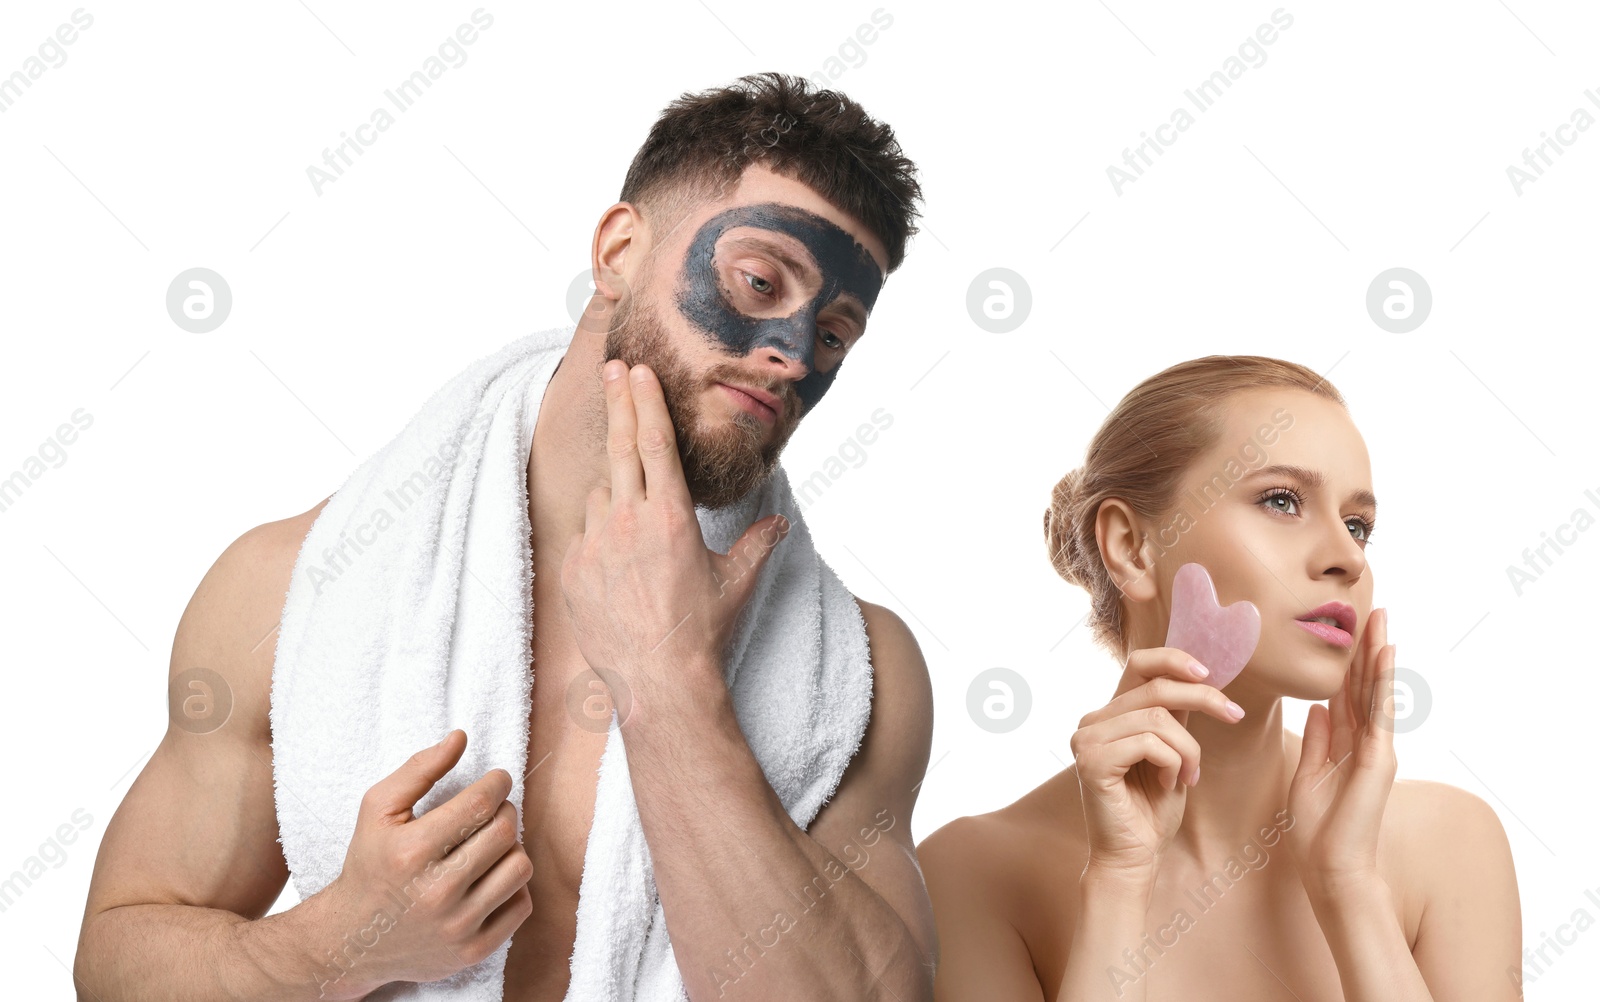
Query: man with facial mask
{"type": "Point", "coordinates": [767, 834]}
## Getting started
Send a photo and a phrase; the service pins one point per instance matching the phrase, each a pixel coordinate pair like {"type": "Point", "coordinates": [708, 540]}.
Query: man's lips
{"type": "Point", "coordinates": [757, 401]}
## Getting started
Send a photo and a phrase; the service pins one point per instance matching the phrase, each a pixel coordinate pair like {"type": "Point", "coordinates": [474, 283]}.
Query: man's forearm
{"type": "Point", "coordinates": [176, 953]}
{"type": "Point", "coordinates": [753, 902]}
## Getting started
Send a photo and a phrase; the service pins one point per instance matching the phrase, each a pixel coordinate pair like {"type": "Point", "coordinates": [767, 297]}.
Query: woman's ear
{"type": "Point", "coordinates": [1124, 545]}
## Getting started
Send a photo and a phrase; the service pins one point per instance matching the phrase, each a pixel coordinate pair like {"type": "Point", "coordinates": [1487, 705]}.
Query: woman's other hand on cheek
{"type": "Point", "coordinates": [1346, 770]}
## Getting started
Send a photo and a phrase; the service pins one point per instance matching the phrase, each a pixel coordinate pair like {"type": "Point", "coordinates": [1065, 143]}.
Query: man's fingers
{"type": "Point", "coordinates": [455, 820]}
{"type": "Point", "coordinates": [397, 793]}
{"type": "Point", "coordinates": [484, 846]}
{"type": "Point", "coordinates": [622, 432]}
{"type": "Point", "coordinates": [502, 922]}
{"type": "Point", "coordinates": [739, 568]}
{"type": "Point", "coordinates": [510, 871]}
{"type": "Point", "coordinates": [596, 507]}
{"type": "Point", "coordinates": [658, 442]}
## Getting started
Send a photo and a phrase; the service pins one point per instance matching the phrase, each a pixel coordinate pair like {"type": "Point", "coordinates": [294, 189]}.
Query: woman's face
{"type": "Point", "coordinates": [1278, 511]}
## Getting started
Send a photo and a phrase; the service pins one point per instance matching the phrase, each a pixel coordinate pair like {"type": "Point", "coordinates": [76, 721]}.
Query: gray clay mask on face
{"type": "Point", "coordinates": [845, 266]}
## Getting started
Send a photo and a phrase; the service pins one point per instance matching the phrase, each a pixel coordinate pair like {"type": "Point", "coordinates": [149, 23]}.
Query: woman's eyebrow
{"type": "Point", "coordinates": [1316, 480]}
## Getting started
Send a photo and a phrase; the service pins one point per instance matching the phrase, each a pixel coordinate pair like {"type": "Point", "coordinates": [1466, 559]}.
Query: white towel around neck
{"type": "Point", "coordinates": [409, 614]}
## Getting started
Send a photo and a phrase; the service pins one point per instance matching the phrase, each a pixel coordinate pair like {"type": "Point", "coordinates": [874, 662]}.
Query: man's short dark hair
{"type": "Point", "coordinates": [702, 143]}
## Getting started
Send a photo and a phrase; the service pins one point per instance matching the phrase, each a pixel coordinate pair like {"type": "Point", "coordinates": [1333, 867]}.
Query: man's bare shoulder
{"type": "Point", "coordinates": [230, 625]}
{"type": "Point", "coordinates": [894, 751]}
{"type": "Point", "coordinates": [276, 544]}
{"type": "Point", "coordinates": [899, 670]}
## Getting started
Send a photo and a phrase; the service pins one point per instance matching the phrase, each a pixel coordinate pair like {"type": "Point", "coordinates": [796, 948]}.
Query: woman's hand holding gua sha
{"type": "Point", "coordinates": [1132, 753]}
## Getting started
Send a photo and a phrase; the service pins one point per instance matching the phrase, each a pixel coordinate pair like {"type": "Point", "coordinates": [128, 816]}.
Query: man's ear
{"type": "Point", "coordinates": [1125, 546]}
{"type": "Point", "coordinates": [609, 257]}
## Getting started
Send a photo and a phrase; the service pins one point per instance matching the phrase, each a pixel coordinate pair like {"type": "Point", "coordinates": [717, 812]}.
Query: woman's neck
{"type": "Point", "coordinates": [1245, 769]}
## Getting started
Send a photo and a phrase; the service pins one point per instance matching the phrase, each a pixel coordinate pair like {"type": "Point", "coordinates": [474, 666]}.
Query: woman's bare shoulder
{"type": "Point", "coordinates": [1431, 833]}
{"type": "Point", "coordinates": [1434, 826]}
{"type": "Point", "coordinates": [995, 881]}
{"type": "Point", "coordinates": [1007, 849]}
{"type": "Point", "coordinates": [1425, 822]}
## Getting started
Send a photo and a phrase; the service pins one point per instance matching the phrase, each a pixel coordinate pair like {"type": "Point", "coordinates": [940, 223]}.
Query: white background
{"type": "Point", "coordinates": [1373, 136]}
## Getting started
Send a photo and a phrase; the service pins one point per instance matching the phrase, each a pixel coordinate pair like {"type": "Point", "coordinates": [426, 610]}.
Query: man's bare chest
{"type": "Point", "coordinates": [567, 727]}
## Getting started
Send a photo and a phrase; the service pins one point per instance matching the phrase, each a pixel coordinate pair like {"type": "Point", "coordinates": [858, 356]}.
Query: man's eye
{"type": "Point", "coordinates": [836, 342]}
{"type": "Point", "coordinates": [759, 284]}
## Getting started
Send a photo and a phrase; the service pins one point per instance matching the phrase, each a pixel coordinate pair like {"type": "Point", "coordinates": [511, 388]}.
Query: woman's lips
{"type": "Point", "coordinates": [1332, 634]}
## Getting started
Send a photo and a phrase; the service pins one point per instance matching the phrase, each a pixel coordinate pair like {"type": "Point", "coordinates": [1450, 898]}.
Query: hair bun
{"type": "Point", "coordinates": [1061, 526]}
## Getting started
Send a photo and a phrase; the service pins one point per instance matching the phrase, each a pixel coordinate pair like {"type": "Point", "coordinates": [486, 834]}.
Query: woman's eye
{"type": "Point", "coordinates": [1286, 502]}
{"type": "Point", "coordinates": [759, 284]}
{"type": "Point", "coordinates": [1272, 500]}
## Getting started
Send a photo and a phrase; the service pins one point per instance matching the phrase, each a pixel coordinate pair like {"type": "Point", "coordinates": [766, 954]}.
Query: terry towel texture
{"type": "Point", "coordinates": [410, 612]}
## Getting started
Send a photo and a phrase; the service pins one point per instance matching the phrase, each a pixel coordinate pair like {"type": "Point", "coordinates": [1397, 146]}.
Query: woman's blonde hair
{"type": "Point", "coordinates": [1140, 454]}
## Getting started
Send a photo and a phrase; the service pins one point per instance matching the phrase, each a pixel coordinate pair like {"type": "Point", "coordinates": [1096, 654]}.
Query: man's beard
{"type": "Point", "coordinates": [720, 465]}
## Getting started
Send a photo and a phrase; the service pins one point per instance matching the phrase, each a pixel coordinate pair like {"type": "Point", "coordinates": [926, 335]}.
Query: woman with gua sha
{"type": "Point", "coordinates": [1298, 868]}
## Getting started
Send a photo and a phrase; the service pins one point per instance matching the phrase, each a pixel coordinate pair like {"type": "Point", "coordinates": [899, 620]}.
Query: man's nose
{"type": "Point", "coordinates": [789, 347]}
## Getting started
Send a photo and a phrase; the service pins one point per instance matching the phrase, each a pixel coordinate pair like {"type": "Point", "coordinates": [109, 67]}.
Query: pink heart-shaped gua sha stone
{"type": "Point", "coordinates": [1221, 639]}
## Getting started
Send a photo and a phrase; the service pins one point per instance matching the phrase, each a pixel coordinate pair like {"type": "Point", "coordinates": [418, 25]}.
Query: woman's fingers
{"type": "Point", "coordinates": [1342, 714]}
{"type": "Point", "coordinates": [1383, 699]}
{"type": "Point", "coordinates": [1175, 695]}
{"type": "Point", "coordinates": [1126, 752]}
{"type": "Point", "coordinates": [1375, 649]}
{"type": "Point", "coordinates": [1104, 749]}
{"type": "Point", "coordinates": [1314, 742]}
{"type": "Point", "coordinates": [1155, 662]}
